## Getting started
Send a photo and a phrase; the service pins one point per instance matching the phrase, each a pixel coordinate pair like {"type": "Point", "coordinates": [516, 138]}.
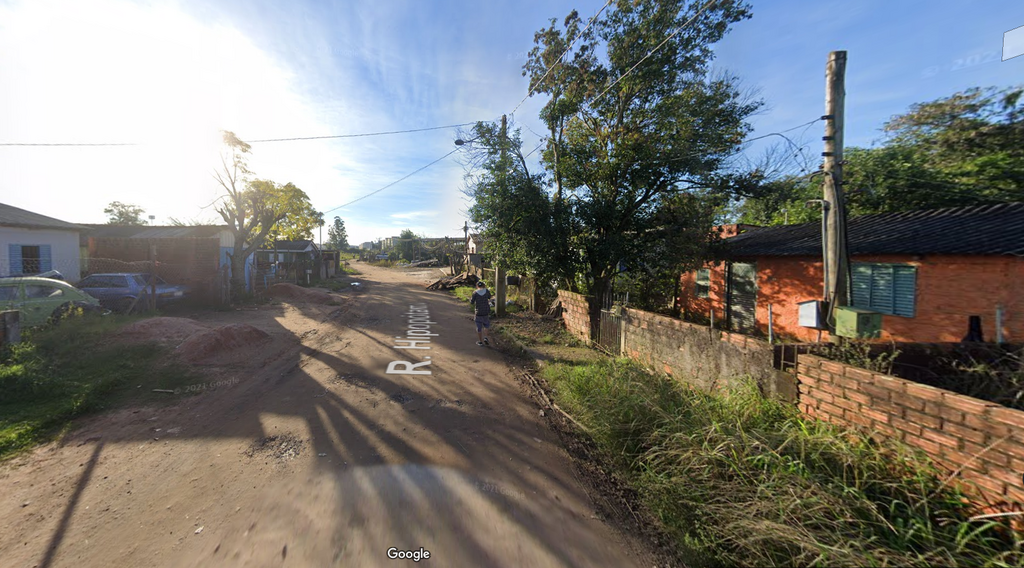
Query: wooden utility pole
{"type": "Point", "coordinates": [499, 272]}
{"type": "Point", "coordinates": [837, 267]}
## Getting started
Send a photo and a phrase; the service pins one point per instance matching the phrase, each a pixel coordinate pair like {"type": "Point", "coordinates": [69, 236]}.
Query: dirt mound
{"type": "Point", "coordinates": [286, 291]}
{"type": "Point", "coordinates": [161, 329]}
{"type": "Point", "coordinates": [222, 341]}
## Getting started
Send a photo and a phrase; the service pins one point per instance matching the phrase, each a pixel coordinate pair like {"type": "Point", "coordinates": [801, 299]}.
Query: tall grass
{"type": "Point", "coordinates": [746, 481]}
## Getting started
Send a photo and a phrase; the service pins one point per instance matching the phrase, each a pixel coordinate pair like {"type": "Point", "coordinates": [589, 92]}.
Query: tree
{"type": "Point", "coordinates": [300, 218]}
{"type": "Point", "coordinates": [512, 209]}
{"type": "Point", "coordinates": [634, 129]}
{"type": "Point", "coordinates": [124, 214]}
{"type": "Point", "coordinates": [956, 151]}
{"type": "Point", "coordinates": [337, 236]}
{"type": "Point", "coordinates": [409, 245]}
{"type": "Point", "coordinates": [251, 208]}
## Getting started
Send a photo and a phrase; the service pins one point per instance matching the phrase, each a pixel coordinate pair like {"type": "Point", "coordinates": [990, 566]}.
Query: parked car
{"type": "Point", "coordinates": [166, 292]}
{"type": "Point", "coordinates": [43, 299]}
{"type": "Point", "coordinates": [119, 291]}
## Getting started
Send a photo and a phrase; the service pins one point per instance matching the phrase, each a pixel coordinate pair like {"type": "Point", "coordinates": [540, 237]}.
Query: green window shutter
{"type": "Point", "coordinates": [703, 286]}
{"type": "Point", "coordinates": [884, 288]}
{"type": "Point", "coordinates": [904, 290]}
{"type": "Point", "coordinates": [882, 297]}
{"type": "Point", "coordinates": [861, 292]}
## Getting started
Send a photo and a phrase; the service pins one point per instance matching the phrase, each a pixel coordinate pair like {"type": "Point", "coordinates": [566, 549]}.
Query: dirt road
{"type": "Point", "coordinates": [310, 453]}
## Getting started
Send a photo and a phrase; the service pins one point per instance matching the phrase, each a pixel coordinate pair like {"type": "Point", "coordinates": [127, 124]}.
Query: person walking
{"type": "Point", "coordinates": [481, 301]}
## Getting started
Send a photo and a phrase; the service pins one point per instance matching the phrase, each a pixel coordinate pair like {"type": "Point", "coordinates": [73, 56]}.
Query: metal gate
{"type": "Point", "coordinates": [742, 296]}
{"type": "Point", "coordinates": [609, 331]}
{"type": "Point", "coordinates": [610, 335]}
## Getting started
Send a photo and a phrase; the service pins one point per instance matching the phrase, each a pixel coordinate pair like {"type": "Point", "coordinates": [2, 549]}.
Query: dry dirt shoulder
{"type": "Point", "coordinates": [306, 452]}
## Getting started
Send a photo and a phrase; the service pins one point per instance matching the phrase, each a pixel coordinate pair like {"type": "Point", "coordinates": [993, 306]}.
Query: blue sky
{"type": "Point", "coordinates": [170, 74]}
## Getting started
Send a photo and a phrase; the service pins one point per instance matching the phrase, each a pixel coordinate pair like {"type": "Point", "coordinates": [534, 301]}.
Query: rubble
{"type": "Point", "coordinates": [450, 282]}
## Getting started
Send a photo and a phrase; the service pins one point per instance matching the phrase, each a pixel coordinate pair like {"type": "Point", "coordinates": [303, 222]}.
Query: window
{"type": "Point", "coordinates": [30, 261]}
{"type": "Point", "coordinates": [703, 282]}
{"type": "Point", "coordinates": [35, 292]}
{"type": "Point", "coordinates": [885, 288]}
{"type": "Point", "coordinates": [8, 293]}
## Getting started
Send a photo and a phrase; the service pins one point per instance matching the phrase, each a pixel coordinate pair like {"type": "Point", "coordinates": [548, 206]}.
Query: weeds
{"type": "Point", "coordinates": [61, 372]}
{"type": "Point", "coordinates": [858, 354]}
{"type": "Point", "coordinates": [745, 480]}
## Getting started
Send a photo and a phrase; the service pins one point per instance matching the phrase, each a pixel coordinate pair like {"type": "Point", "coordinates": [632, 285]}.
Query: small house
{"type": "Point", "coordinates": [31, 243]}
{"type": "Point", "coordinates": [927, 272]}
{"type": "Point", "coordinates": [288, 252]}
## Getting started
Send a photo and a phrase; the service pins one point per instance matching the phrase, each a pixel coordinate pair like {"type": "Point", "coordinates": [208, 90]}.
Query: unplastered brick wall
{"type": "Point", "coordinates": [983, 441]}
{"type": "Point", "coordinates": [696, 354]}
{"type": "Point", "coordinates": [575, 314]}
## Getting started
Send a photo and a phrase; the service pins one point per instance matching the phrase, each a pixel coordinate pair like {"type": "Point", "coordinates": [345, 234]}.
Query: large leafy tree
{"type": "Point", "coordinates": [124, 214]}
{"type": "Point", "coordinates": [959, 150]}
{"type": "Point", "coordinates": [300, 219]}
{"type": "Point", "coordinates": [636, 127]}
{"type": "Point", "coordinates": [251, 207]}
{"type": "Point", "coordinates": [337, 236]}
{"type": "Point", "coordinates": [512, 208]}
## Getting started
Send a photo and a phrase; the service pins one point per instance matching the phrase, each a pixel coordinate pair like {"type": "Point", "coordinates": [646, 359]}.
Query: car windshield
{"type": "Point", "coordinates": [140, 280]}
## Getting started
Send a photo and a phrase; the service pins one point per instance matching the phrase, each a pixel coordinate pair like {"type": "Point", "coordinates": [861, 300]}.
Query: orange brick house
{"type": "Point", "coordinates": [926, 271]}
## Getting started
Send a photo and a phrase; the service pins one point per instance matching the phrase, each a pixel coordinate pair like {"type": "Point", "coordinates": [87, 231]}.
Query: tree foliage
{"type": "Point", "coordinates": [252, 208]}
{"type": "Point", "coordinates": [633, 129]}
{"type": "Point", "coordinates": [124, 214]}
{"type": "Point", "coordinates": [337, 236]}
{"type": "Point", "coordinates": [408, 245]}
{"type": "Point", "coordinates": [956, 151]}
{"type": "Point", "coordinates": [300, 219]}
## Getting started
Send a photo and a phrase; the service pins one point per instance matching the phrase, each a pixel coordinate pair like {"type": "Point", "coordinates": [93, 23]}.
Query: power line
{"type": "Point", "coordinates": [559, 60]}
{"type": "Point", "coordinates": [69, 144]}
{"type": "Point", "coordinates": [655, 50]}
{"type": "Point", "coordinates": [361, 135]}
{"type": "Point", "coordinates": [403, 178]}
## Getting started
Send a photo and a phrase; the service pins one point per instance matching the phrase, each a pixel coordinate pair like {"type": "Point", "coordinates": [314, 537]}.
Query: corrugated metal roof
{"type": "Point", "coordinates": [979, 230]}
{"type": "Point", "coordinates": [11, 216]}
{"type": "Point", "coordinates": [291, 246]}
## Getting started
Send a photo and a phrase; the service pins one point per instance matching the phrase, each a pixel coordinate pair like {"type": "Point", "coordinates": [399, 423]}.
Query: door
{"type": "Point", "coordinates": [742, 296]}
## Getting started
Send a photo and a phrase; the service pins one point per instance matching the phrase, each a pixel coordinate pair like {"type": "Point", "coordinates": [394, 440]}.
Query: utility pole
{"type": "Point", "coordinates": [499, 272]}
{"type": "Point", "coordinates": [837, 269]}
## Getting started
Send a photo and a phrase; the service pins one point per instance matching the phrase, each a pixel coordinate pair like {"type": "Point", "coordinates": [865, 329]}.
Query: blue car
{"type": "Point", "coordinates": [119, 291]}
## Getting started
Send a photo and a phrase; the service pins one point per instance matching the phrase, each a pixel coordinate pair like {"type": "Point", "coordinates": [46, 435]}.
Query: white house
{"type": "Point", "coordinates": [31, 243]}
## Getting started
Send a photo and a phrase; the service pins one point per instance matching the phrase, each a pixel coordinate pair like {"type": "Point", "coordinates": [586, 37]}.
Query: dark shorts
{"type": "Point", "coordinates": [482, 322]}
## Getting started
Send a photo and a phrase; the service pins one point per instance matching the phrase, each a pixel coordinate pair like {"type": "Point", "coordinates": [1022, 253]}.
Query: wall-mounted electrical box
{"type": "Point", "coordinates": [857, 323]}
{"type": "Point", "coordinates": [812, 314]}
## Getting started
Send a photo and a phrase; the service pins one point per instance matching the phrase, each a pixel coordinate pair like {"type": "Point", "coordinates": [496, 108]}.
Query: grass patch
{"type": "Point", "coordinates": [746, 481]}
{"type": "Point", "coordinates": [463, 293]}
{"type": "Point", "coordinates": [58, 373]}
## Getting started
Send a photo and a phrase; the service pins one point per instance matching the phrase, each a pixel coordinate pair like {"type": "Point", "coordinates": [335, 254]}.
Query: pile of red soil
{"type": "Point", "coordinates": [222, 341]}
{"type": "Point", "coordinates": [162, 330]}
{"type": "Point", "coordinates": [292, 293]}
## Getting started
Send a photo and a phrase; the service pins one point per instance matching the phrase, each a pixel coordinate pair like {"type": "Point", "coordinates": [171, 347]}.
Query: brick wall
{"type": "Point", "coordinates": [576, 314]}
{"type": "Point", "coordinates": [949, 290]}
{"type": "Point", "coordinates": [983, 440]}
{"type": "Point", "coordinates": [697, 354]}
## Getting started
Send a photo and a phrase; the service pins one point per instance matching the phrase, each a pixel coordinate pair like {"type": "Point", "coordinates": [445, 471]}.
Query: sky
{"type": "Point", "coordinates": [169, 75]}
